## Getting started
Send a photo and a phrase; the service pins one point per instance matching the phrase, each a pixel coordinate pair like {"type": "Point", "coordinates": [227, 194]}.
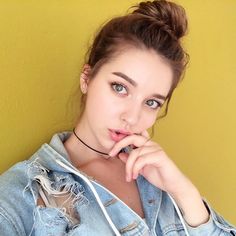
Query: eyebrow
{"type": "Point", "coordinates": [127, 78]}
{"type": "Point", "coordinates": [131, 81]}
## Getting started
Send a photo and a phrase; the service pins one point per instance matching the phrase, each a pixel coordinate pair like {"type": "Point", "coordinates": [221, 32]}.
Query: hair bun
{"type": "Point", "coordinates": [168, 15]}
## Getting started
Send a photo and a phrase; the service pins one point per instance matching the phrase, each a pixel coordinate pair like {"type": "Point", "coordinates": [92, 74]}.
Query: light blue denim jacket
{"type": "Point", "coordinates": [99, 212]}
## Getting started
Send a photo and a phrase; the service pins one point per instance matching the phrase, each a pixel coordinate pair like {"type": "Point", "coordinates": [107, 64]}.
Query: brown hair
{"type": "Point", "coordinates": [156, 25]}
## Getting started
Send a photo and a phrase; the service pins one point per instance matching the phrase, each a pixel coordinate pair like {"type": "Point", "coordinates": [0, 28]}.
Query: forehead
{"type": "Point", "coordinates": [149, 70]}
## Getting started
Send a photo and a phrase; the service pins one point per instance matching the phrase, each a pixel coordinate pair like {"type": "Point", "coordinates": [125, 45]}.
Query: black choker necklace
{"type": "Point", "coordinates": [103, 153]}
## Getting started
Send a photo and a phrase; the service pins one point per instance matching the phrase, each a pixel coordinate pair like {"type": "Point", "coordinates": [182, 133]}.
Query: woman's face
{"type": "Point", "coordinates": [124, 97]}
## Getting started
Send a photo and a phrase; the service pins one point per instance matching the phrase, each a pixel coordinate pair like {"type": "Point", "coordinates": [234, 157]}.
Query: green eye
{"type": "Point", "coordinates": [153, 104]}
{"type": "Point", "coordinates": [119, 88]}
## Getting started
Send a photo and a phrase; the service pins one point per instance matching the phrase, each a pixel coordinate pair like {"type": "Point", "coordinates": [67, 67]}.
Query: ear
{"type": "Point", "coordinates": [84, 78]}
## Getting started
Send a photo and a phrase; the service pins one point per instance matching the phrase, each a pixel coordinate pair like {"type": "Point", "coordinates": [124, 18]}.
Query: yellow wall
{"type": "Point", "coordinates": [42, 44]}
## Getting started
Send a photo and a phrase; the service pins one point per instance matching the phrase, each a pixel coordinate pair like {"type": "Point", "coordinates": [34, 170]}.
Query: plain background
{"type": "Point", "coordinates": [42, 47]}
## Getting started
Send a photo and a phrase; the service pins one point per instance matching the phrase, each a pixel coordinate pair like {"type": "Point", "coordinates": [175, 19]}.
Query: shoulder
{"type": "Point", "coordinates": [14, 177]}
{"type": "Point", "coordinates": [13, 205]}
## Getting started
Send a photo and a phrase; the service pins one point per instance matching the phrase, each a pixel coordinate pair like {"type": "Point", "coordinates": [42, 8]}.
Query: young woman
{"type": "Point", "coordinates": [108, 177]}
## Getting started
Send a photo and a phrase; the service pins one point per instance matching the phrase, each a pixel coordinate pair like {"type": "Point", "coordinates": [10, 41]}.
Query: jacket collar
{"type": "Point", "coordinates": [48, 153]}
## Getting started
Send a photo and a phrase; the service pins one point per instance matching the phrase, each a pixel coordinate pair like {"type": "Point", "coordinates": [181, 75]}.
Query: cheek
{"type": "Point", "coordinates": [147, 121]}
{"type": "Point", "coordinates": [102, 105]}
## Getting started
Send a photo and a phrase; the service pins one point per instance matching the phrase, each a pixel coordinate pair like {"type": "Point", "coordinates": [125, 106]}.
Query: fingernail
{"type": "Point", "coordinates": [110, 153]}
{"type": "Point", "coordinates": [135, 176]}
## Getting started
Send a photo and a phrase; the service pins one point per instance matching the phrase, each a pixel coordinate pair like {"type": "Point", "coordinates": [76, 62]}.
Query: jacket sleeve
{"type": "Point", "coordinates": [6, 226]}
{"type": "Point", "coordinates": [15, 209]}
{"type": "Point", "coordinates": [216, 225]}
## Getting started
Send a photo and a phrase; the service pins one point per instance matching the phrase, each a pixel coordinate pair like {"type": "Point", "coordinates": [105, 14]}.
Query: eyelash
{"type": "Point", "coordinates": [114, 84]}
{"type": "Point", "coordinates": [158, 104]}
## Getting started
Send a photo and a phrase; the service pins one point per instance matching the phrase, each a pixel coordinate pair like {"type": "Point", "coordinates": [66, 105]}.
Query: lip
{"type": "Point", "coordinates": [118, 134]}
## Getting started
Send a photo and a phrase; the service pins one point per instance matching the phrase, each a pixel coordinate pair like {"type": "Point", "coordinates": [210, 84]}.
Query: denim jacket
{"type": "Point", "coordinates": [97, 210]}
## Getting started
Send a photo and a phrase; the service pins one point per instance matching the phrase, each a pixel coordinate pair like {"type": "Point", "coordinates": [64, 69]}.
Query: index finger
{"type": "Point", "coordinates": [136, 140]}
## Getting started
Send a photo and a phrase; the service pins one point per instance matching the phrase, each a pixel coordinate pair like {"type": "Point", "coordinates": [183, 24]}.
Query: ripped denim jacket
{"type": "Point", "coordinates": [78, 205]}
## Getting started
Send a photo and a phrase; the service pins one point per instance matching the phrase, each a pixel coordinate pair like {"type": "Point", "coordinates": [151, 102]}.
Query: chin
{"type": "Point", "coordinates": [105, 143]}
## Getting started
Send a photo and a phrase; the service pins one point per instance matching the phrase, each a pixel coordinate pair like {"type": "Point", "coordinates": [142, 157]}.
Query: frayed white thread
{"type": "Point", "coordinates": [71, 191]}
{"type": "Point", "coordinates": [47, 186]}
{"type": "Point", "coordinates": [34, 166]}
{"type": "Point", "coordinates": [67, 192]}
{"type": "Point", "coordinates": [34, 217]}
{"type": "Point", "coordinates": [73, 170]}
{"type": "Point", "coordinates": [42, 222]}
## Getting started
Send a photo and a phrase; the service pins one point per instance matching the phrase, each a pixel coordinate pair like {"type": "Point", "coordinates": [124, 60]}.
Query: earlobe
{"type": "Point", "coordinates": [84, 78]}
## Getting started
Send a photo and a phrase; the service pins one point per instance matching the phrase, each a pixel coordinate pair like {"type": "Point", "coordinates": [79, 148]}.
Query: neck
{"type": "Point", "coordinates": [79, 153]}
{"type": "Point", "coordinates": [88, 146]}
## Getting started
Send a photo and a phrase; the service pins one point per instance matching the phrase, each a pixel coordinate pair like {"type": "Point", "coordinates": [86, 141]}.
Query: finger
{"type": "Point", "coordinates": [130, 162]}
{"type": "Point", "coordinates": [144, 160]}
{"type": "Point", "coordinates": [136, 140]}
{"type": "Point", "coordinates": [134, 155]}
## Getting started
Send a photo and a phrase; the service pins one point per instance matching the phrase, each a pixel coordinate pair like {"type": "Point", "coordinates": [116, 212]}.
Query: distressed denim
{"type": "Point", "coordinates": [21, 215]}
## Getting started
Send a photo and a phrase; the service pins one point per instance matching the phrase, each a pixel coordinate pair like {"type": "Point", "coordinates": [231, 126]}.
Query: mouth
{"type": "Point", "coordinates": [117, 135]}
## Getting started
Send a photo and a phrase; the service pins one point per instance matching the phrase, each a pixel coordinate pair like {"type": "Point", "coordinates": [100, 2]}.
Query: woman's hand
{"type": "Point", "coordinates": [150, 160]}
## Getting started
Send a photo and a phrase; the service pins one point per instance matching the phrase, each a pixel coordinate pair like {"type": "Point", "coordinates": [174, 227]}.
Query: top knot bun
{"type": "Point", "coordinates": [168, 15]}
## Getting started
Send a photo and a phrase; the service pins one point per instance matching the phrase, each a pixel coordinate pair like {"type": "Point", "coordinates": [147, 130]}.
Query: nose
{"type": "Point", "coordinates": [132, 113]}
